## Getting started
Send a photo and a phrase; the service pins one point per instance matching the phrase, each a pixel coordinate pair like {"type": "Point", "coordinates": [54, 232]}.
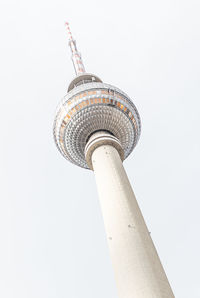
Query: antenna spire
{"type": "Point", "coordinates": [76, 56]}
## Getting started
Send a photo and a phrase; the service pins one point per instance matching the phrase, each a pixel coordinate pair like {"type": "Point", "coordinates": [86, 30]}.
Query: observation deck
{"type": "Point", "coordinates": [91, 106]}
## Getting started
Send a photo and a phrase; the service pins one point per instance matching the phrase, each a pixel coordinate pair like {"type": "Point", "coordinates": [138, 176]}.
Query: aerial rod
{"type": "Point", "coordinates": [76, 56]}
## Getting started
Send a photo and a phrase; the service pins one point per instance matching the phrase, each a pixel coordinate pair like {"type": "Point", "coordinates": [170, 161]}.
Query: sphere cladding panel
{"type": "Point", "coordinates": [91, 107]}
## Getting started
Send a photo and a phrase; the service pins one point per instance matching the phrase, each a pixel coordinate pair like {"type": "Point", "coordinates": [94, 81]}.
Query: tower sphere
{"type": "Point", "coordinates": [91, 106]}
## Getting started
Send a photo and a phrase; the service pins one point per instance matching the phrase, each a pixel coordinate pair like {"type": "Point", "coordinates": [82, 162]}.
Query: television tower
{"type": "Point", "coordinates": [96, 127]}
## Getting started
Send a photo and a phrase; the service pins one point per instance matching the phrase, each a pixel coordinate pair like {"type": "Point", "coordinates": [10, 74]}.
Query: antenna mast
{"type": "Point", "coordinates": [76, 56]}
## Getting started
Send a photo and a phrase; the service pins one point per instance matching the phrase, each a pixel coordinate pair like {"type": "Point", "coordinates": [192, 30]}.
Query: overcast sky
{"type": "Point", "coordinates": [52, 238]}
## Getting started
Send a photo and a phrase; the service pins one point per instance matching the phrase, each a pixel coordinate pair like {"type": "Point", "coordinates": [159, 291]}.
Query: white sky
{"type": "Point", "coordinates": [52, 239]}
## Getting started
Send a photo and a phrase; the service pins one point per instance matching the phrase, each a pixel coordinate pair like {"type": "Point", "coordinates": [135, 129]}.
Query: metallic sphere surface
{"type": "Point", "coordinates": [92, 107]}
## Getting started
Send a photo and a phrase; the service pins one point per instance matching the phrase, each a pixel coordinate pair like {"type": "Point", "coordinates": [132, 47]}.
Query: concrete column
{"type": "Point", "coordinates": [137, 268]}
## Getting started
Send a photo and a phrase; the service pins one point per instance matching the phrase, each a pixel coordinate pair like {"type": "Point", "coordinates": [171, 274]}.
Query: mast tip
{"type": "Point", "coordinates": [76, 56]}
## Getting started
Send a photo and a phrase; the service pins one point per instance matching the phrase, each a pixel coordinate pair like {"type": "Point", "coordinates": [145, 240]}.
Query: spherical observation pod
{"type": "Point", "coordinates": [92, 106]}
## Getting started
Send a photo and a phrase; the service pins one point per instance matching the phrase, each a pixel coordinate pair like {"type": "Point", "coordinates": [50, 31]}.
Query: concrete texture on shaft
{"type": "Point", "coordinates": [137, 268]}
{"type": "Point", "coordinates": [98, 139]}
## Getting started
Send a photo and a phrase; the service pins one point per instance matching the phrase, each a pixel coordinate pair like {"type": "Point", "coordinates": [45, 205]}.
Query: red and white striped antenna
{"type": "Point", "coordinates": [76, 56]}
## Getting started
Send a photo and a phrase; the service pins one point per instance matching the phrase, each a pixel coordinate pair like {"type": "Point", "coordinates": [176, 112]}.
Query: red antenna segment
{"type": "Point", "coordinates": [76, 56]}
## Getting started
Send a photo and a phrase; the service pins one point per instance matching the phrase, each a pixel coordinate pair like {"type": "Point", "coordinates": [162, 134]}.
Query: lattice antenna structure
{"type": "Point", "coordinates": [76, 56]}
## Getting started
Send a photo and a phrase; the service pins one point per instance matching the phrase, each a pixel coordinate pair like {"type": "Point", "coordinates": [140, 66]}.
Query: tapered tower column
{"type": "Point", "coordinates": [137, 268]}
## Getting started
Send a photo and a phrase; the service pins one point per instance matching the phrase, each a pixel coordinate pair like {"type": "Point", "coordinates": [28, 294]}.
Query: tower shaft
{"type": "Point", "coordinates": [137, 268]}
